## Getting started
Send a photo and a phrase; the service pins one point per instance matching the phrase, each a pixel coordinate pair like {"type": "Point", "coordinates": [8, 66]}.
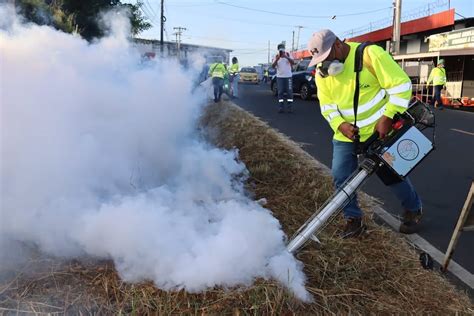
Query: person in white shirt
{"type": "Point", "coordinates": [283, 64]}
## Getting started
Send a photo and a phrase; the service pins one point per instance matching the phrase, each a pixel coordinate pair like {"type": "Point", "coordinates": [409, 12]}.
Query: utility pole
{"type": "Point", "coordinates": [293, 42]}
{"type": "Point", "coordinates": [179, 32]}
{"type": "Point", "coordinates": [397, 13]}
{"type": "Point", "coordinates": [268, 52]}
{"type": "Point", "coordinates": [162, 21]}
{"type": "Point", "coordinates": [298, 37]}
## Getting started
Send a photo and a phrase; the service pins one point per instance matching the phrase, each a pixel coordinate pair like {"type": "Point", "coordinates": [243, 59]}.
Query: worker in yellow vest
{"type": "Point", "coordinates": [217, 71]}
{"type": "Point", "coordinates": [384, 90]}
{"type": "Point", "coordinates": [438, 77]}
{"type": "Point", "coordinates": [234, 77]}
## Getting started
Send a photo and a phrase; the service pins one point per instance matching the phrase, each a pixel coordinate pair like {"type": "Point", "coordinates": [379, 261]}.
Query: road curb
{"type": "Point", "coordinates": [454, 268]}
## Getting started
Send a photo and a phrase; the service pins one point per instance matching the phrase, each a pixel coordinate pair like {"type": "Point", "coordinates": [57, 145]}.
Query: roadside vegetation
{"type": "Point", "coordinates": [379, 273]}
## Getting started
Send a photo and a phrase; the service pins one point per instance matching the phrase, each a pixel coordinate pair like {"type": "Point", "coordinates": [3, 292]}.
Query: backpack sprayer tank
{"type": "Point", "coordinates": [398, 154]}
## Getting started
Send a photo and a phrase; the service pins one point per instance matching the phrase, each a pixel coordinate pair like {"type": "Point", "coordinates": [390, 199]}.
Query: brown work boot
{"type": "Point", "coordinates": [353, 228]}
{"type": "Point", "coordinates": [411, 222]}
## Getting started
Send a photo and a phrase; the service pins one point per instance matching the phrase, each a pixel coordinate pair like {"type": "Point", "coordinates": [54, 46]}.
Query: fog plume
{"type": "Point", "coordinates": [101, 157]}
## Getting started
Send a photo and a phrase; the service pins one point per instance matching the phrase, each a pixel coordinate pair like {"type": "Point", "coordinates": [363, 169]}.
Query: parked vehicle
{"type": "Point", "coordinates": [248, 74]}
{"type": "Point", "coordinates": [303, 80]}
{"type": "Point", "coordinates": [271, 71]}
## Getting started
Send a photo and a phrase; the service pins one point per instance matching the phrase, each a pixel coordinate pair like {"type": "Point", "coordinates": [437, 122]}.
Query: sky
{"type": "Point", "coordinates": [244, 27]}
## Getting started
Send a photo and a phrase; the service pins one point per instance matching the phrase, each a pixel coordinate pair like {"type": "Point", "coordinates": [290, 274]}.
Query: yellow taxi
{"type": "Point", "coordinates": [248, 74]}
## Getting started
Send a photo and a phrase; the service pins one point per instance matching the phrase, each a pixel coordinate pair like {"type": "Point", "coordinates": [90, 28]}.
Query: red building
{"type": "Point", "coordinates": [423, 42]}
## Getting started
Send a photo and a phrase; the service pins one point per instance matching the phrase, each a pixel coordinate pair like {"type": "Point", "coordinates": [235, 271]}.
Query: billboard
{"type": "Point", "coordinates": [458, 39]}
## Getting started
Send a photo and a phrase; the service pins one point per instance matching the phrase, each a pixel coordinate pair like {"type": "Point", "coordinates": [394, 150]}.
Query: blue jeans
{"type": "Point", "coordinates": [437, 95]}
{"type": "Point", "coordinates": [235, 86]}
{"type": "Point", "coordinates": [344, 163]}
{"type": "Point", "coordinates": [285, 85]}
{"type": "Point", "coordinates": [218, 84]}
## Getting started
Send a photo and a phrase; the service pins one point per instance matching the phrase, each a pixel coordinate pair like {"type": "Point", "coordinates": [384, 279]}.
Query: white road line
{"type": "Point", "coordinates": [456, 269]}
{"type": "Point", "coordinates": [461, 131]}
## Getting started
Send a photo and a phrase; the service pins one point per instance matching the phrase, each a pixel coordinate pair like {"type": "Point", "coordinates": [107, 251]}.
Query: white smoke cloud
{"type": "Point", "coordinates": [100, 156]}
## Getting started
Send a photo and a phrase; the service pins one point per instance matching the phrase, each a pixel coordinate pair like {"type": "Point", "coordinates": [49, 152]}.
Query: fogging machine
{"type": "Point", "coordinates": [392, 158]}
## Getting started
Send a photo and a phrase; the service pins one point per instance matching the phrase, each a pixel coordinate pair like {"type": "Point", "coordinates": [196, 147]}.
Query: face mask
{"type": "Point", "coordinates": [330, 68]}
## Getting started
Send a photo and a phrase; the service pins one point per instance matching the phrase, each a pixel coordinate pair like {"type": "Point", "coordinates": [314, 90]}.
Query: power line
{"type": "Point", "coordinates": [247, 21]}
{"type": "Point", "coordinates": [150, 13]}
{"type": "Point", "coordinates": [259, 23]}
{"type": "Point", "coordinates": [147, 15]}
{"type": "Point", "coordinates": [150, 7]}
{"type": "Point", "coordinates": [192, 5]}
{"type": "Point", "coordinates": [223, 40]}
{"type": "Point", "coordinates": [145, 11]}
{"type": "Point", "coordinates": [298, 15]}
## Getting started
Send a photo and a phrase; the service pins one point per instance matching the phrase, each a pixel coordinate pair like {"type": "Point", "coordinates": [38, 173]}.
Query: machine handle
{"type": "Point", "coordinates": [397, 125]}
{"type": "Point", "coordinates": [372, 139]}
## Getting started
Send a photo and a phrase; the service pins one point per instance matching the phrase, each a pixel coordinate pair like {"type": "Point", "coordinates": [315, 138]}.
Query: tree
{"type": "Point", "coordinates": [87, 15]}
{"type": "Point", "coordinates": [47, 13]}
{"type": "Point", "coordinates": [137, 20]}
{"type": "Point", "coordinates": [81, 16]}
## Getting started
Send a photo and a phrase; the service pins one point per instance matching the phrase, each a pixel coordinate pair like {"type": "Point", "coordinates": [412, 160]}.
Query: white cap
{"type": "Point", "coordinates": [320, 45]}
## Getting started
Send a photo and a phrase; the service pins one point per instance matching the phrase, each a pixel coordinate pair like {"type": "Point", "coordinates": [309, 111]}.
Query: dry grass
{"type": "Point", "coordinates": [378, 273]}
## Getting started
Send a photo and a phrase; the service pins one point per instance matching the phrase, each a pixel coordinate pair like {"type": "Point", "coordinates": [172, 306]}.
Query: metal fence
{"type": "Point", "coordinates": [420, 12]}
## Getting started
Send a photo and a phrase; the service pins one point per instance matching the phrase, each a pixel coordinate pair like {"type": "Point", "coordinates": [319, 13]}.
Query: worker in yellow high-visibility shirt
{"type": "Point", "coordinates": [385, 90]}
{"type": "Point", "coordinates": [438, 77]}
{"type": "Point", "coordinates": [217, 71]}
{"type": "Point", "coordinates": [265, 75]}
{"type": "Point", "coordinates": [234, 77]}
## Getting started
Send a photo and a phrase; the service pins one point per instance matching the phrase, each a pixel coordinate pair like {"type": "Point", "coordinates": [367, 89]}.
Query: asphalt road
{"type": "Point", "coordinates": [442, 179]}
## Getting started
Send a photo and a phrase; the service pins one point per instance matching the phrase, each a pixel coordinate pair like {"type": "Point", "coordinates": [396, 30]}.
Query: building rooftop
{"type": "Point", "coordinates": [157, 42]}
